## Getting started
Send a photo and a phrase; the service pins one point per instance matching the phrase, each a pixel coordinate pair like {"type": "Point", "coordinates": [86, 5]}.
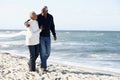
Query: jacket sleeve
{"type": "Point", "coordinates": [37, 32]}
{"type": "Point", "coordinates": [27, 21]}
{"type": "Point", "coordinates": [52, 27]}
{"type": "Point", "coordinates": [39, 20]}
{"type": "Point", "coordinates": [32, 32]}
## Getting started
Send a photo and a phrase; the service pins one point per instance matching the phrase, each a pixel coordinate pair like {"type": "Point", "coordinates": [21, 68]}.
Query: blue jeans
{"type": "Point", "coordinates": [34, 53]}
{"type": "Point", "coordinates": [45, 43]}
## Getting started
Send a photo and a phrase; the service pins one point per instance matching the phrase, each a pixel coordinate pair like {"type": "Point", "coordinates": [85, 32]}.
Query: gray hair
{"type": "Point", "coordinates": [31, 13]}
{"type": "Point", "coordinates": [45, 7]}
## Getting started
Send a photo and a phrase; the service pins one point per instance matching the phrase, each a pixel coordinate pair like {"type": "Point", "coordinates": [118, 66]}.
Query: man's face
{"type": "Point", "coordinates": [44, 12]}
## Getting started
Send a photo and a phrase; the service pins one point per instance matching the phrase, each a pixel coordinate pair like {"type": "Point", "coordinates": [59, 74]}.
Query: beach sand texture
{"type": "Point", "coordinates": [16, 68]}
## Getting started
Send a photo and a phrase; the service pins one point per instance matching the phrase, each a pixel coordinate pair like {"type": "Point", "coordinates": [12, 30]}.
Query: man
{"type": "Point", "coordinates": [46, 21]}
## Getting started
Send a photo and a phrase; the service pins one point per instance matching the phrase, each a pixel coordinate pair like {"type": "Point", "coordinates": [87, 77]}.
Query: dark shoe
{"type": "Point", "coordinates": [43, 70]}
{"type": "Point", "coordinates": [30, 68]}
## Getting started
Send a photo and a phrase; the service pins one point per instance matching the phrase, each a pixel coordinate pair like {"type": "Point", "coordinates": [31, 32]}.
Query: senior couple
{"type": "Point", "coordinates": [38, 37]}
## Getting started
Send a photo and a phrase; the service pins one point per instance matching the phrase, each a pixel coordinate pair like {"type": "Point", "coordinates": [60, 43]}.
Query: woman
{"type": "Point", "coordinates": [32, 40]}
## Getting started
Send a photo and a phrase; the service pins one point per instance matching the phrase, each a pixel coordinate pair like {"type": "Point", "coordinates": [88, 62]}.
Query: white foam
{"type": "Point", "coordinates": [12, 43]}
{"type": "Point", "coordinates": [12, 34]}
{"type": "Point", "coordinates": [73, 43]}
{"type": "Point", "coordinates": [4, 46]}
{"type": "Point", "coordinates": [16, 52]}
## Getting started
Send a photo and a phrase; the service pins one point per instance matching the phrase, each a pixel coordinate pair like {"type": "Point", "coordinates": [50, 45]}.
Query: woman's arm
{"type": "Point", "coordinates": [37, 32]}
{"type": "Point", "coordinates": [33, 32]}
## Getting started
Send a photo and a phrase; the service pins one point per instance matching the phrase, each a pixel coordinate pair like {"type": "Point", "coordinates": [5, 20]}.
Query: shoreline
{"type": "Point", "coordinates": [14, 67]}
{"type": "Point", "coordinates": [111, 72]}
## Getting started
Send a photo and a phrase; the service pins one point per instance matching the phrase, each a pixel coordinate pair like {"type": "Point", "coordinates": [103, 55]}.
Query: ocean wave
{"type": "Point", "coordinates": [88, 64]}
{"type": "Point", "coordinates": [74, 43]}
{"type": "Point", "coordinates": [8, 35]}
{"type": "Point", "coordinates": [16, 52]}
{"type": "Point", "coordinates": [98, 34]}
{"type": "Point", "coordinates": [91, 56]}
{"type": "Point", "coordinates": [6, 44]}
{"type": "Point", "coordinates": [102, 57]}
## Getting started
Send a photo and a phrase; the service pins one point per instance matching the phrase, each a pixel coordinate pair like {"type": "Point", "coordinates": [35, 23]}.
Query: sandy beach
{"type": "Point", "coordinates": [16, 68]}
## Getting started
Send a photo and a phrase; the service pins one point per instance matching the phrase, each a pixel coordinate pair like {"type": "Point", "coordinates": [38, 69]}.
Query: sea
{"type": "Point", "coordinates": [90, 49]}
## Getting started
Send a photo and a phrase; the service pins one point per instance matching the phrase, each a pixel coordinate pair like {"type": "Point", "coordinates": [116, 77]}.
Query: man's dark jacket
{"type": "Point", "coordinates": [47, 24]}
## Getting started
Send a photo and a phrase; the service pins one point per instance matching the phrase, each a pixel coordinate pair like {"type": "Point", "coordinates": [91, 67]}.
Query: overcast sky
{"type": "Point", "coordinates": [68, 14]}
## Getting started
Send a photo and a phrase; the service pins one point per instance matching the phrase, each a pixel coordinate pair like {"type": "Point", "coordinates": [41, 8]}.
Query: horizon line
{"type": "Point", "coordinates": [66, 30]}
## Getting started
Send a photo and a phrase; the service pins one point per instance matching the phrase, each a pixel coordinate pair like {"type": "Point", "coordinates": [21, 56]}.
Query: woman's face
{"type": "Point", "coordinates": [34, 16]}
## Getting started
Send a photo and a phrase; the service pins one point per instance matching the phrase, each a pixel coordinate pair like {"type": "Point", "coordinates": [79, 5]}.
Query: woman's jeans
{"type": "Point", "coordinates": [34, 53]}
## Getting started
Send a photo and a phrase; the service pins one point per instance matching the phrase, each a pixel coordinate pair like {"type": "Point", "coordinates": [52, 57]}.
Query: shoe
{"type": "Point", "coordinates": [43, 70]}
{"type": "Point", "coordinates": [30, 68]}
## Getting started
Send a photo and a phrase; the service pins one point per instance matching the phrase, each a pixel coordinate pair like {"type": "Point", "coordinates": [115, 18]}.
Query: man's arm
{"type": "Point", "coordinates": [32, 31]}
{"type": "Point", "coordinates": [52, 28]}
{"type": "Point", "coordinates": [39, 20]}
{"type": "Point", "coordinates": [26, 23]}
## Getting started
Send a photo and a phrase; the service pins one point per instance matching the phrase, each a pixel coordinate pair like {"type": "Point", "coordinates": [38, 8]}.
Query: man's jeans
{"type": "Point", "coordinates": [34, 53]}
{"type": "Point", "coordinates": [45, 43]}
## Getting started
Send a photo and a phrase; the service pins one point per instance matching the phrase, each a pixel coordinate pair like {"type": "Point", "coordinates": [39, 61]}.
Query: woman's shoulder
{"type": "Point", "coordinates": [33, 21]}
